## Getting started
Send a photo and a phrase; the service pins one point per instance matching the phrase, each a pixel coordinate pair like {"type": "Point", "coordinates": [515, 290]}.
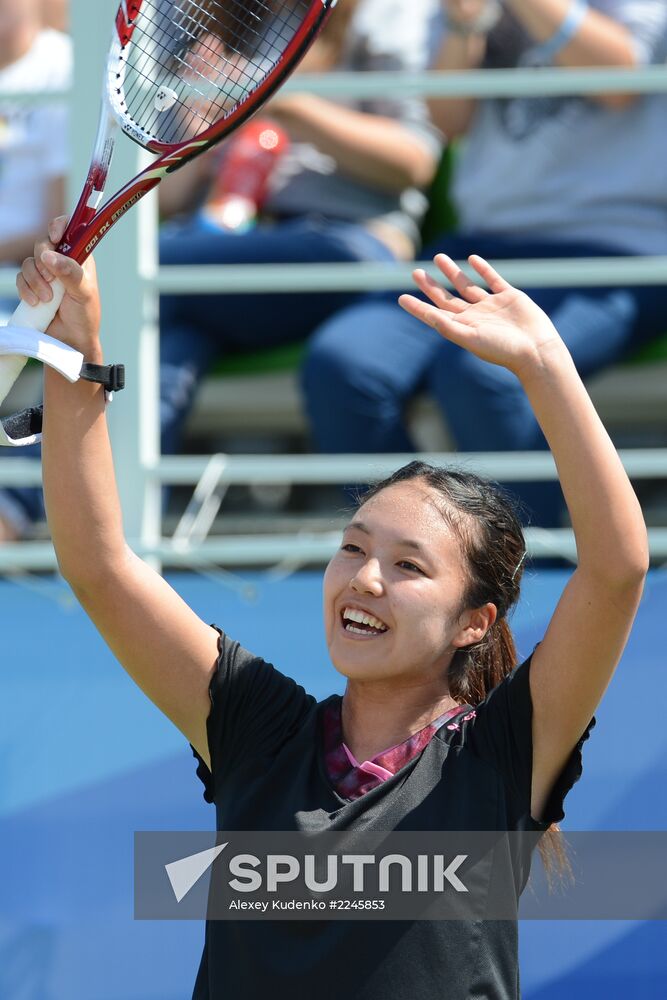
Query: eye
{"type": "Point", "coordinates": [349, 547]}
{"type": "Point", "coordinates": [411, 566]}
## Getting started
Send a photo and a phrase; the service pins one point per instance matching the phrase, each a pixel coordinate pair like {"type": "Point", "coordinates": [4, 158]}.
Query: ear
{"type": "Point", "coordinates": [474, 625]}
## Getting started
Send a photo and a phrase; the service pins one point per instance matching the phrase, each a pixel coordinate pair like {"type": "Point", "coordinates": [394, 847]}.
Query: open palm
{"type": "Point", "coordinates": [502, 326]}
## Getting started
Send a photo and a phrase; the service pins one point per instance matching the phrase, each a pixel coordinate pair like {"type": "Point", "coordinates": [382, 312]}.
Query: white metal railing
{"type": "Point", "coordinates": [259, 278]}
{"type": "Point", "coordinates": [187, 470]}
{"type": "Point", "coordinates": [292, 552]}
{"type": "Point", "coordinates": [129, 320]}
{"type": "Point", "coordinates": [541, 82]}
{"type": "Point", "coordinates": [527, 82]}
{"type": "Point", "coordinates": [211, 279]}
{"type": "Point", "coordinates": [307, 547]}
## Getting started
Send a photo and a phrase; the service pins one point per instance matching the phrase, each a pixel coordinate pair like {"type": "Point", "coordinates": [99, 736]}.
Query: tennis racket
{"type": "Point", "coordinates": [181, 75]}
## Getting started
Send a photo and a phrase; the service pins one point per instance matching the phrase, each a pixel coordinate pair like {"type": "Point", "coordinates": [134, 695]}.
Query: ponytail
{"type": "Point", "coordinates": [474, 671]}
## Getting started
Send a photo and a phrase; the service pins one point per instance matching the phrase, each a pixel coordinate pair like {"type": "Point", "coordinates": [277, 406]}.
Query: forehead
{"type": "Point", "coordinates": [411, 512]}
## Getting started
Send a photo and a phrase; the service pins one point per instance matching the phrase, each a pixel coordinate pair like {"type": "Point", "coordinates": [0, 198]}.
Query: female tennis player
{"type": "Point", "coordinates": [438, 728]}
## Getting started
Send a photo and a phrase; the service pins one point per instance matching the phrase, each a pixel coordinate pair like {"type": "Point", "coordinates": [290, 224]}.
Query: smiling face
{"type": "Point", "coordinates": [393, 591]}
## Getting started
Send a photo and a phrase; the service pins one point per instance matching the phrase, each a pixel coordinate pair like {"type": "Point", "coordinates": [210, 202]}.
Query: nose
{"type": "Point", "coordinates": [368, 579]}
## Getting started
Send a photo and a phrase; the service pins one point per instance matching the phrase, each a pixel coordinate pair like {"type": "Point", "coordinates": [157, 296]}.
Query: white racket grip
{"type": "Point", "coordinates": [39, 317]}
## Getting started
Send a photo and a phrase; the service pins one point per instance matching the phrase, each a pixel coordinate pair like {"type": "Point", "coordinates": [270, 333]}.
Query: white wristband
{"type": "Point", "coordinates": [17, 344]}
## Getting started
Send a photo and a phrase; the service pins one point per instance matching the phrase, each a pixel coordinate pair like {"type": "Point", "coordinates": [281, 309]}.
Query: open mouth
{"type": "Point", "coordinates": [357, 622]}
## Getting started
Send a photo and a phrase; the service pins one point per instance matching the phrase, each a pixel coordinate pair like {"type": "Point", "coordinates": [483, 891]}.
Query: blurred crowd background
{"type": "Point", "coordinates": [397, 178]}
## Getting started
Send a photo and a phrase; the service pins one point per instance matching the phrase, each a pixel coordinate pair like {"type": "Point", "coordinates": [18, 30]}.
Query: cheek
{"type": "Point", "coordinates": [337, 575]}
{"type": "Point", "coordinates": [331, 585]}
{"type": "Point", "coordinates": [428, 621]}
{"type": "Point", "coordinates": [328, 581]}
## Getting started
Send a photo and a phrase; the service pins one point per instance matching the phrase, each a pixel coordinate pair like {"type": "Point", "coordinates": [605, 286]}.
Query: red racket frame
{"type": "Point", "coordinates": [87, 224]}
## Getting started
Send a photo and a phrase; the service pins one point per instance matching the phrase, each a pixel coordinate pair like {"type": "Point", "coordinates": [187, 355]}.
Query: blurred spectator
{"type": "Point", "coordinates": [55, 14]}
{"type": "Point", "coordinates": [33, 153]}
{"type": "Point", "coordinates": [535, 177]}
{"type": "Point", "coordinates": [348, 188]}
{"type": "Point", "coordinates": [33, 137]}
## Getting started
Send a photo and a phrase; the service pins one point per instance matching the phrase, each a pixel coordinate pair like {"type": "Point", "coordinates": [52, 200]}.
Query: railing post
{"type": "Point", "coordinates": [124, 259]}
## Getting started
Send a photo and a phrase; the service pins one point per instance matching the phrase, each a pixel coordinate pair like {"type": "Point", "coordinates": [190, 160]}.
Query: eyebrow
{"type": "Point", "coordinates": [405, 542]}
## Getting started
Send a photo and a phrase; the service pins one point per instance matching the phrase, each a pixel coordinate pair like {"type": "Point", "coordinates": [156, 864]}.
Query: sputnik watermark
{"type": "Point", "coordinates": [391, 875]}
{"type": "Point", "coordinates": [293, 873]}
{"type": "Point", "coordinates": [251, 873]}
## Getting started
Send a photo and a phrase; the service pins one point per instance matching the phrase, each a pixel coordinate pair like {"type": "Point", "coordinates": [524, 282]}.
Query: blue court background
{"type": "Point", "coordinates": [85, 760]}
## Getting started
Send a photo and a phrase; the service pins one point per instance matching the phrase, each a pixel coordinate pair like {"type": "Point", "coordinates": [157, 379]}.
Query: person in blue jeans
{"type": "Point", "coordinates": [349, 189]}
{"type": "Point", "coordinates": [196, 330]}
{"type": "Point", "coordinates": [535, 178]}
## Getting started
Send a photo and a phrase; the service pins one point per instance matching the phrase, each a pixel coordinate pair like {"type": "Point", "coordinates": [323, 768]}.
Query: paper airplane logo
{"type": "Point", "coordinates": [183, 874]}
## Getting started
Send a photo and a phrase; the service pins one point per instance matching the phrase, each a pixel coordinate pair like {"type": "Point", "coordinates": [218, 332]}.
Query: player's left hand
{"type": "Point", "coordinates": [503, 326]}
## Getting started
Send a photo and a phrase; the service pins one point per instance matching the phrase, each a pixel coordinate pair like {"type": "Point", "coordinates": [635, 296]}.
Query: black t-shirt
{"type": "Point", "coordinates": [268, 773]}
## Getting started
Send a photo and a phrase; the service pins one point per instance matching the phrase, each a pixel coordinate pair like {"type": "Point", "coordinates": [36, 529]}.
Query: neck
{"type": "Point", "coordinates": [375, 717]}
{"type": "Point", "coordinates": [13, 47]}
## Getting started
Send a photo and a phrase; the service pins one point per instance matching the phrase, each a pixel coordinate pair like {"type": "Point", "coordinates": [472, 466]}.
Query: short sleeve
{"type": "Point", "coordinates": [501, 734]}
{"type": "Point", "coordinates": [255, 709]}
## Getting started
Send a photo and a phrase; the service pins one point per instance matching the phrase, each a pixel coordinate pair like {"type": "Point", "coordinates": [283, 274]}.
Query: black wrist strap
{"type": "Point", "coordinates": [29, 422]}
{"type": "Point", "coordinates": [112, 377]}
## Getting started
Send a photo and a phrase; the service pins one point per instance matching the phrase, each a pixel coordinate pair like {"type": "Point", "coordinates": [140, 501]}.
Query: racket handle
{"type": "Point", "coordinates": [39, 317]}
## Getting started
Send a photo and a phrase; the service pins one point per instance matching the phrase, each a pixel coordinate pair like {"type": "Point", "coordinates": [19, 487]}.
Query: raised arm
{"type": "Point", "coordinates": [573, 665]}
{"type": "Point", "coordinates": [167, 650]}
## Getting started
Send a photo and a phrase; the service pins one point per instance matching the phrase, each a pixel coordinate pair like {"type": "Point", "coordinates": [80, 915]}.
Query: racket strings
{"type": "Point", "coordinates": [200, 67]}
{"type": "Point", "coordinates": [191, 62]}
{"type": "Point", "coordinates": [143, 66]}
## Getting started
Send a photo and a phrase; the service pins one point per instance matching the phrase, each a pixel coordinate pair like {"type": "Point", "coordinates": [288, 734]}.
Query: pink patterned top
{"type": "Point", "coordinates": [352, 779]}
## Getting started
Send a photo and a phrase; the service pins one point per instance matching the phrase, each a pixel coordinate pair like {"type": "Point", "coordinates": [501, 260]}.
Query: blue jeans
{"type": "Point", "coordinates": [196, 330]}
{"type": "Point", "coordinates": [367, 362]}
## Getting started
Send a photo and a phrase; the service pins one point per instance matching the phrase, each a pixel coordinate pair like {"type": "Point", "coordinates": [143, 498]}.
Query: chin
{"type": "Point", "coordinates": [357, 670]}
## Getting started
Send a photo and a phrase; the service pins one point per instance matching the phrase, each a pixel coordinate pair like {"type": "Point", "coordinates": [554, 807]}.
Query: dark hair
{"type": "Point", "coordinates": [486, 521]}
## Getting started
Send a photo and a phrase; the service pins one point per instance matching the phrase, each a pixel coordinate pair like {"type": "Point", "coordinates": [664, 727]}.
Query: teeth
{"type": "Point", "coordinates": [352, 614]}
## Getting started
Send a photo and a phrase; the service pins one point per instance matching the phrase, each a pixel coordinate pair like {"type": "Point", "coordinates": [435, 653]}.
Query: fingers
{"type": "Point", "coordinates": [438, 295]}
{"type": "Point", "coordinates": [32, 286]}
{"type": "Point", "coordinates": [494, 280]}
{"type": "Point", "coordinates": [446, 325]}
{"type": "Point", "coordinates": [466, 288]}
{"type": "Point", "coordinates": [34, 280]}
{"type": "Point", "coordinates": [57, 228]}
{"type": "Point", "coordinates": [64, 268]}
{"type": "Point", "coordinates": [463, 285]}
{"type": "Point", "coordinates": [37, 272]}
